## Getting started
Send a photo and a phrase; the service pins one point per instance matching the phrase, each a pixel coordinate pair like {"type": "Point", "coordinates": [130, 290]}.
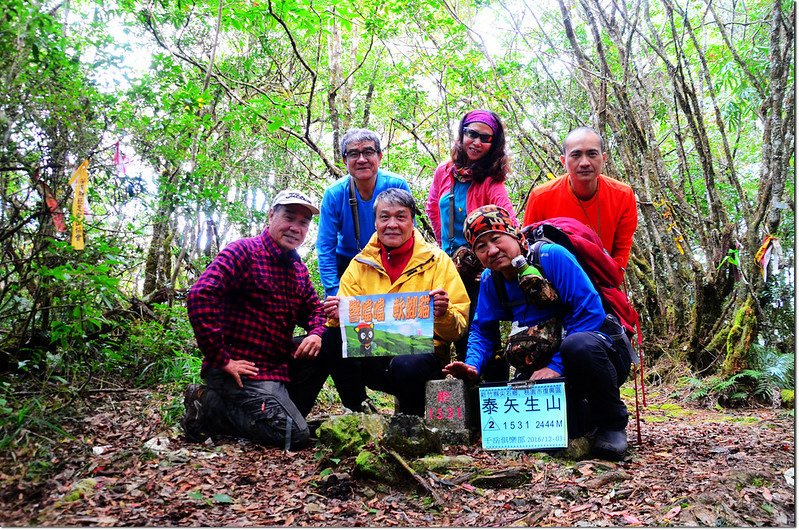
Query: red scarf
{"type": "Point", "coordinates": [395, 259]}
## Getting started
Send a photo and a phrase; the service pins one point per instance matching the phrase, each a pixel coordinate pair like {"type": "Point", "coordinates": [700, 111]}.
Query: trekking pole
{"type": "Point", "coordinates": [637, 408]}
{"type": "Point", "coordinates": [643, 387]}
{"type": "Point", "coordinates": [640, 355]}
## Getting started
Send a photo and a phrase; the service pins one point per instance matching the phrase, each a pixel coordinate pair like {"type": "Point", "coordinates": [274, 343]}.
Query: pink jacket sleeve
{"type": "Point", "coordinates": [489, 192]}
{"type": "Point", "coordinates": [432, 209]}
{"type": "Point", "coordinates": [499, 196]}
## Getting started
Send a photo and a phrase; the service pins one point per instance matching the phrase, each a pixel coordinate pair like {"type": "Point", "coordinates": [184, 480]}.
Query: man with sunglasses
{"type": "Point", "coordinates": [605, 204]}
{"type": "Point", "coordinates": [347, 219]}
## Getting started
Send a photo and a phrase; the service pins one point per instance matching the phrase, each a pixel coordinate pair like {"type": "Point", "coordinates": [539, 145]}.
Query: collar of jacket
{"type": "Point", "coordinates": [422, 254]}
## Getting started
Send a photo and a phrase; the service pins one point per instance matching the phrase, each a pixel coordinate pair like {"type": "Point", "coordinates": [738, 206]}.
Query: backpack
{"type": "Point", "coordinates": [604, 272]}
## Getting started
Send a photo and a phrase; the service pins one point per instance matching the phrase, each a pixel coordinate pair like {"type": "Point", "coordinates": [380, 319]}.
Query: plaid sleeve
{"type": "Point", "coordinates": [206, 301]}
{"type": "Point", "coordinates": [312, 317]}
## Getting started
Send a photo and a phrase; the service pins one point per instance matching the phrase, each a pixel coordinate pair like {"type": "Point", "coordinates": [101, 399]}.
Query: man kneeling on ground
{"type": "Point", "coordinates": [591, 356]}
{"type": "Point", "coordinates": [396, 260]}
{"type": "Point", "coordinates": [244, 309]}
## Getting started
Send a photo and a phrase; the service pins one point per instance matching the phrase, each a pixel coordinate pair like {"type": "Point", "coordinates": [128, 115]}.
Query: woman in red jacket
{"type": "Point", "coordinates": [476, 172]}
{"type": "Point", "coordinates": [473, 177]}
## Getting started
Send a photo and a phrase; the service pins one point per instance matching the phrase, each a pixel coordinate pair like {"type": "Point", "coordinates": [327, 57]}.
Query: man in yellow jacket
{"type": "Point", "coordinates": [397, 259]}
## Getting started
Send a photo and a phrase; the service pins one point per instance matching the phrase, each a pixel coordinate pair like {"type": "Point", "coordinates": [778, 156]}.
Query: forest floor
{"type": "Point", "coordinates": [123, 464]}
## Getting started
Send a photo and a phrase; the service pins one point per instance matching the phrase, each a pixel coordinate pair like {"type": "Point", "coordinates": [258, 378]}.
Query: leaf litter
{"type": "Point", "coordinates": [699, 469]}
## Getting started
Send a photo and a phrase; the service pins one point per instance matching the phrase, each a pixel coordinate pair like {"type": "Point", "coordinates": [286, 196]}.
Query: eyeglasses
{"type": "Point", "coordinates": [355, 155]}
{"type": "Point", "coordinates": [471, 133]}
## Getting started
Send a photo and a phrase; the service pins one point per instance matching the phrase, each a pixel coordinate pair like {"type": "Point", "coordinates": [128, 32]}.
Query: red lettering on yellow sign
{"type": "Point", "coordinates": [355, 311]}
{"type": "Point", "coordinates": [380, 309]}
{"type": "Point", "coordinates": [366, 311]}
{"type": "Point", "coordinates": [424, 306]}
{"type": "Point", "coordinates": [411, 307]}
{"type": "Point", "coordinates": [399, 309]}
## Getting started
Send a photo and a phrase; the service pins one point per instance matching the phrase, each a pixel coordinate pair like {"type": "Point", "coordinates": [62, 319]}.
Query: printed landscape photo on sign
{"type": "Point", "coordinates": [384, 325]}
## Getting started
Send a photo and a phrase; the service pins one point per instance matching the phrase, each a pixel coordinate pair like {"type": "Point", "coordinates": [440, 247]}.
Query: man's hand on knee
{"type": "Point", "coordinates": [309, 347]}
{"type": "Point", "coordinates": [237, 368]}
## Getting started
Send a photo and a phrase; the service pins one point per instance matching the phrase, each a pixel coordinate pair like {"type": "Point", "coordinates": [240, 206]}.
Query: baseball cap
{"type": "Point", "coordinates": [490, 218]}
{"type": "Point", "coordinates": [295, 197]}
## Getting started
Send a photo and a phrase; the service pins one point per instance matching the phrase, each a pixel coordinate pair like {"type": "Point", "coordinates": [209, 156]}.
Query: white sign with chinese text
{"type": "Point", "coordinates": [527, 416]}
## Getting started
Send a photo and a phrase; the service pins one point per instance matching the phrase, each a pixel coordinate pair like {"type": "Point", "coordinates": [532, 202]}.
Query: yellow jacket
{"type": "Point", "coordinates": [429, 268]}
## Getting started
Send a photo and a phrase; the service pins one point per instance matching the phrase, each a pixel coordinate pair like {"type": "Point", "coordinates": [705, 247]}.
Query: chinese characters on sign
{"type": "Point", "coordinates": [524, 417]}
{"type": "Point", "coordinates": [444, 409]}
{"type": "Point", "coordinates": [447, 409]}
{"type": "Point", "coordinates": [386, 324]}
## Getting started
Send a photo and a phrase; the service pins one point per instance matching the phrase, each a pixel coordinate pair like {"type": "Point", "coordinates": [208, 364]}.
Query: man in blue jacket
{"type": "Point", "coordinates": [591, 356]}
{"type": "Point", "coordinates": [340, 238]}
{"type": "Point", "coordinates": [347, 222]}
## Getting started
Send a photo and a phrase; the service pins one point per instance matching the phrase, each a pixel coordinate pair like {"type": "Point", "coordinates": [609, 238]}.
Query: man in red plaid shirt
{"type": "Point", "coordinates": [244, 309]}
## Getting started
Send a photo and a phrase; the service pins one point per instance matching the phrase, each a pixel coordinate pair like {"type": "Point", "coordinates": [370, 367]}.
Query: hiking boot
{"type": "Point", "coordinates": [192, 421]}
{"type": "Point", "coordinates": [610, 445]}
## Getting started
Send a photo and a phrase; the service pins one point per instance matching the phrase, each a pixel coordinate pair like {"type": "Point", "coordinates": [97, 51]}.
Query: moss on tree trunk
{"type": "Point", "coordinates": [740, 338]}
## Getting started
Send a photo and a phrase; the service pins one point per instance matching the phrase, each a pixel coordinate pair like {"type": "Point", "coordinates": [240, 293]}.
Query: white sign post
{"type": "Point", "coordinates": [526, 415]}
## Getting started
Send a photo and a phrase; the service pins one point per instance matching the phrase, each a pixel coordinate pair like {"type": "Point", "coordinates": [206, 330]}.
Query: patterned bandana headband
{"type": "Point", "coordinates": [487, 219]}
{"type": "Point", "coordinates": [483, 116]}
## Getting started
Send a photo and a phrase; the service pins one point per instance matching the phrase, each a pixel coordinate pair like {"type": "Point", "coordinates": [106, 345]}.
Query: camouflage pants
{"type": "Point", "coordinates": [262, 411]}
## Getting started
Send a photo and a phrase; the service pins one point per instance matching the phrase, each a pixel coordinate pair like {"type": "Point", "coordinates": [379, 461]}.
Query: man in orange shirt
{"type": "Point", "coordinates": [583, 193]}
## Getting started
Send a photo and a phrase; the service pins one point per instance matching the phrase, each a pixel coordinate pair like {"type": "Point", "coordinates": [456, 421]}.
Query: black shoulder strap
{"type": "Point", "coordinates": [534, 255]}
{"type": "Point", "coordinates": [502, 293]}
{"type": "Point", "coordinates": [354, 207]}
{"type": "Point", "coordinates": [451, 212]}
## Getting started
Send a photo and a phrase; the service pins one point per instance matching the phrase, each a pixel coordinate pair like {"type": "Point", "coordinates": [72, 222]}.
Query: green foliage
{"type": "Point", "coordinates": [28, 418]}
{"type": "Point", "coordinates": [212, 143]}
{"type": "Point", "coordinates": [83, 293]}
{"type": "Point", "coordinates": [327, 395]}
{"type": "Point", "coordinates": [173, 410]}
{"type": "Point", "coordinates": [156, 350]}
{"type": "Point", "coordinates": [788, 398]}
{"type": "Point", "coordinates": [216, 498]}
{"type": "Point", "coordinates": [778, 369]}
{"type": "Point", "coordinates": [779, 313]}
{"type": "Point", "coordinates": [770, 372]}
{"type": "Point", "coordinates": [725, 391]}
{"type": "Point", "coordinates": [86, 293]}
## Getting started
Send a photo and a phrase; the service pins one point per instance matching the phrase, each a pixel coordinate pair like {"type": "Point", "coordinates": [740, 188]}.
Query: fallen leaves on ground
{"type": "Point", "coordinates": [123, 466]}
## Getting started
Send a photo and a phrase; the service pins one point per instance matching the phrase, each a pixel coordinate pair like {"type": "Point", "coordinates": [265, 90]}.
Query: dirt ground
{"type": "Point", "coordinates": [123, 466]}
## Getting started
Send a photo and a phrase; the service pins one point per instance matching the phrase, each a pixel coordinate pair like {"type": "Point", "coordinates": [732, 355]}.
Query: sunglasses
{"type": "Point", "coordinates": [471, 133]}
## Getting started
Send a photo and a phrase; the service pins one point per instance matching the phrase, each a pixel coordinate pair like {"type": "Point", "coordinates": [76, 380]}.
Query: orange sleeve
{"type": "Point", "coordinates": [623, 200]}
